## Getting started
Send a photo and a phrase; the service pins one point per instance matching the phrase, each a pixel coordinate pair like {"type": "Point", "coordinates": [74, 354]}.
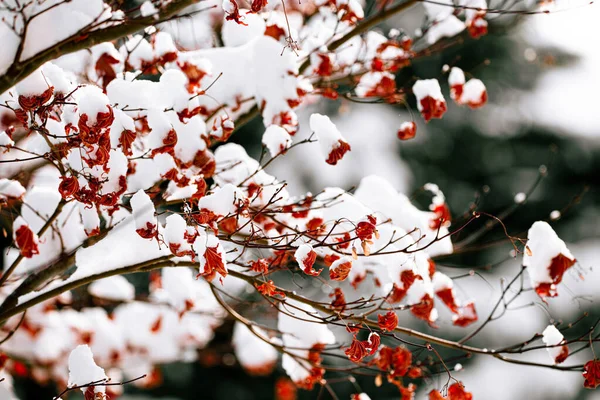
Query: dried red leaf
{"type": "Point", "coordinates": [338, 152]}
{"type": "Point", "coordinates": [388, 321]}
{"type": "Point", "coordinates": [26, 241]}
{"type": "Point", "coordinates": [591, 374]}
{"type": "Point", "coordinates": [269, 289]}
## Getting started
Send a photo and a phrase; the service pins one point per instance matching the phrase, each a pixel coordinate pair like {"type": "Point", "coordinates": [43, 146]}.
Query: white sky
{"type": "Point", "coordinates": [568, 99]}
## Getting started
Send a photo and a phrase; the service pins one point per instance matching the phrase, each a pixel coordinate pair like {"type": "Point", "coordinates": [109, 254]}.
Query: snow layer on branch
{"type": "Point", "coordinates": [122, 247]}
{"type": "Point", "coordinates": [552, 337]}
{"type": "Point", "coordinates": [253, 353]}
{"type": "Point", "coordinates": [448, 27]}
{"type": "Point", "coordinates": [235, 166]}
{"type": "Point", "coordinates": [222, 201]}
{"type": "Point", "coordinates": [427, 88]}
{"type": "Point", "coordinates": [11, 189]}
{"type": "Point", "coordinates": [54, 21]}
{"type": "Point", "coordinates": [295, 322]}
{"type": "Point", "coordinates": [175, 231]}
{"type": "Point", "coordinates": [42, 198]}
{"type": "Point", "coordinates": [276, 140]}
{"type": "Point", "coordinates": [116, 288]}
{"type": "Point", "coordinates": [143, 211]}
{"type": "Point", "coordinates": [147, 9]}
{"type": "Point", "coordinates": [439, 10]}
{"type": "Point", "coordinates": [179, 288]}
{"type": "Point", "coordinates": [376, 193]}
{"type": "Point", "coordinates": [34, 84]}
{"type": "Point", "coordinates": [256, 69]}
{"type": "Point", "coordinates": [235, 34]}
{"type": "Point", "coordinates": [546, 257]}
{"type": "Point", "coordinates": [168, 92]}
{"type": "Point", "coordinates": [83, 369]}
{"type": "Point", "coordinates": [333, 146]}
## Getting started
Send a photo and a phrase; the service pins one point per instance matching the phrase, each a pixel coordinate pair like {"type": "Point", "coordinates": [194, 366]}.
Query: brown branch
{"type": "Point", "coordinates": [85, 39]}
{"type": "Point", "coordinates": [44, 228]}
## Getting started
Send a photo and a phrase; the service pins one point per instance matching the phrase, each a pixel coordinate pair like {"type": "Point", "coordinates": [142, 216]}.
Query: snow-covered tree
{"type": "Point", "coordinates": [115, 160]}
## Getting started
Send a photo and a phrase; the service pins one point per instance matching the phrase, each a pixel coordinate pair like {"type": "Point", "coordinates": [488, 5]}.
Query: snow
{"type": "Point", "coordinates": [90, 218]}
{"type": "Point", "coordinates": [302, 253]}
{"type": "Point", "coordinates": [147, 9]}
{"type": "Point", "coordinates": [447, 27]}
{"type": "Point", "coordinates": [34, 84]}
{"type": "Point", "coordinates": [83, 370]}
{"type": "Point", "coordinates": [143, 210]}
{"type": "Point", "coordinates": [552, 337]}
{"type": "Point", "coordinates": [473, 91]}
{"type": "Point", "coordinates": [328, 135]}
{"type": "Point", "coordinates": [11, 189]}
{"type": "Point", "coordinates": [175, 230]}
{"type": "Point", "coordinates": [439, 10]}
{"type": "Point", "coordinates": [116, 288]}
{"type": "Point", "coordinates": [377, 194]}
{"type": "Point", "coordinates": [179, 287]}
{"type": "Point", "coordinates": [235, 34]}
{"type": "Point", "coordinates": [441, 281]}
{"type": "Point", "coordinates": [137, 52]}
{"type": "Point", "coordinates": [163, 44]}
{"type": "Point", "coordinates": [91, 102]}
{"type": "Point", "coordinates": [300, 331]}
{"type": "Point", "coordinates": [255, 69]}
{"type": "Point", "coordinates": [276, 140]}
{"type": "Point", "coordinates": [456, 77]}
{"type": "Point", "coordinates": [520, 198]}
{"type": "Point", "coordinates": [543, 244]}
{"type": "Point", "coordinates": [5, 140]}
{"type": "Point", "coordinates": [427, 88]}
{"type": "Point", "coordinates": [222, 201]}
{"type": "Point", "coordinates": [252, 352]}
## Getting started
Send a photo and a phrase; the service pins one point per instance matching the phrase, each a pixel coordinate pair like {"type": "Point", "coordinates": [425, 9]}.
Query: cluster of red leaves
{"type": "Point", "coordinates": [399, 62]}
{"type": "Point", "coordinates": [285, 389]}
{"type": "Point", "coordinates": [366, 229]}
{"type": "Point", "coordinates": [337, 153]}
{"type": "Point", "coordinates": [397, 364]}
{"type": "Point", "coordinates": [432, 108]}
{"type": "Point", "coordinates": [384, 89]}
{"type": "Point", "coordinates": [557, 268]}
{"type": "Point", "coordinates": [91, 394]}
{"type": "Point", "coordinates": [35, 102]}
{"type": "Point", "coordinates": [340, 273]}
{"type": "Point", "coordinates": [214, 264]}
{"type": "Point", "coordinates": [269, 289]}
{"type": "Point", "coordinates": [316, 372]}
{"type": "Point", "coordinates": [441, 217]}
{"type": "Point", "coordinates": [388, 321]}
{"type": "Point", "coordinates": [478, 26]}
{"type": "Point", "coordinates": [234, 14]}
{"type": "Point", "coordinates": [360, 349]}
{"type": "Point", "coordinates": [407, 131]}
{"type": "Point", "coordinates": [455, 392]}
{"type": "Point", "coordinates": [339, 300]}
{"type": "Point", "coordinates": [325, 65]}
{"type": "Point", "coordinates": [308, 262]}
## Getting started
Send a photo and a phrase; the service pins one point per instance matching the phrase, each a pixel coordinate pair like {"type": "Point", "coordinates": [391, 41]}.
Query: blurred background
{"type": "Point", "coordinates": [542, 74]}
